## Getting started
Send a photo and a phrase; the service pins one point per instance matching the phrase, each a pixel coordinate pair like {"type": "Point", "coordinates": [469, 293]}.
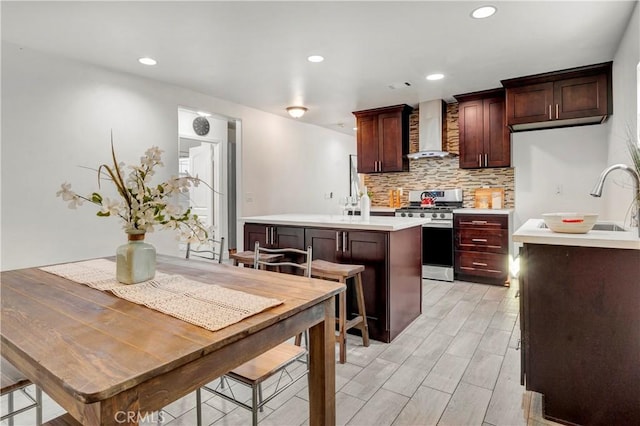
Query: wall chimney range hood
{"type": "Point", "coordinates": [430, 135]}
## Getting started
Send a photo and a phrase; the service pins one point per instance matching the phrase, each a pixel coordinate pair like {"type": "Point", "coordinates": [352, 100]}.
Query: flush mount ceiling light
{"type": "Point", "coordinates": [203, 114]}
{"type": "Point", "coordinates": [434, 77]}
{"type": "Point", "coordinates": [296, 111]}
{"type": "Point", "coordinates": [483, 12]}
{"type": "Point", "coordinates": [147, 61]}
{"type": "Point", "coordinates": [315, 58]}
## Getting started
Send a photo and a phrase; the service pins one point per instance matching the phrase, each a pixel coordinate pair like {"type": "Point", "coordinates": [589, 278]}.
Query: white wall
{"type": "Point", "coordinates": [574, 157]}
{"type": "Point", "coordinates": [617, 193]}
{"type": "Point", "coordinates": [568, 159]}
{"type": "Point", "coordinates": [57, 116]}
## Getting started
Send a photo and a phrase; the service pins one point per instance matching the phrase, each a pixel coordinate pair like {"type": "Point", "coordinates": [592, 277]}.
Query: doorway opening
{"type": "Point", "coordinates": [210, 154]}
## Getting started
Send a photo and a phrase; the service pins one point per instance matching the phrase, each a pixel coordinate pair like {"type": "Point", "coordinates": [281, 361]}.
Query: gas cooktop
{"type": "Point", "coordinates": [433, 203]}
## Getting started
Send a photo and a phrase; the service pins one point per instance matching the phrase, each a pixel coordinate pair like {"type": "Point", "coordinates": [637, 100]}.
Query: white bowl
{"type": "Point", "coordinates": [570, 223]}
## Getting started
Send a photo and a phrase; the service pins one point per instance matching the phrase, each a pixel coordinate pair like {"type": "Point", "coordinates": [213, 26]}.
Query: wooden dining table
{"type": "Point", "coordinates": [103, 358]}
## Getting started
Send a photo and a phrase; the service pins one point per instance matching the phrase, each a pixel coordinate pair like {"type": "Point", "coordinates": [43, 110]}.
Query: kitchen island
{"type": "Point", "coordinates": [580, 323]}
{"type": "Point", "coordinates": [388, 247]}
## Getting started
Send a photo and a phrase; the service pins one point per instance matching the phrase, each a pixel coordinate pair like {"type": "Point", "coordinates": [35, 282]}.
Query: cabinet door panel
{"type": "Point", "coordinates": [529, 104]}
{"type": "Point", "coordinates": [390, 148]}
{"type": "Point", "coordinates": [289, 237]}
{"type": "Point", "coordinates": [471, 134]}
{"type": "Point", "coordinates": [367, 137]}
{"type": "Point", "coordinates": [487, 221]}
{"type": "Point", "coordinates": [324, 245]}
{"type": "Point", "coordinates": [497, 143]}
{"type": "Point", "coordinates": [581, 97]}
{"type": "Point", "coordinates": [254, 232]}
{"type": "Point", "coordinates": [494, 241]}
{"type": "Point", "coordinates": [488, 265]}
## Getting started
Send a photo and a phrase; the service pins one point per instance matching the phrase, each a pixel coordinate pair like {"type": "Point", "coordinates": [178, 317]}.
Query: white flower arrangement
{"type": "Point", "coordinates": [143, 205]}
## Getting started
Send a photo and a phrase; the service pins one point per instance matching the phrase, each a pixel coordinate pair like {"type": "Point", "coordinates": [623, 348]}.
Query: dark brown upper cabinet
{"type": "Point", "coordinates": [484, 136]}
{"type": "Point", "coordinates": [573, 97]}
{"type": "Point", "coordinates": [383, 139]}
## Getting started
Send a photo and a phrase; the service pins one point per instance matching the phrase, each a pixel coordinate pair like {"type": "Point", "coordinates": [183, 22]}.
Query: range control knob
{"type": "Point", "coordinates": [434, 215]}
{"type": "Point", "coordinates": [410, 214]}
{"type": "Point", "coordinates": [442, 215]}
{"type": "Point", "coordinates": [421, 214]}
{"type": "Point", "coordinates": [403, 214]}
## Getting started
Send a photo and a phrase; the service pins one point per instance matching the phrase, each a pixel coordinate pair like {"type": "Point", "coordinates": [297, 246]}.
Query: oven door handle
{"type": "Point", "coordinates": [438, 225]}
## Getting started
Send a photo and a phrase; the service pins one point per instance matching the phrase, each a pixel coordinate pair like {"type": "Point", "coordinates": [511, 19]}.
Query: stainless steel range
{"type": "Point", "coordinates": [437, 235]}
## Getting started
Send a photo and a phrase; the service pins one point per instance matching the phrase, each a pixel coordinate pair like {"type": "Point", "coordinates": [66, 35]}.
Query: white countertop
{"type": "Point", "coordinates": [531, 233]}
{"type": "Point", "coordinates": [375, 223]}
{"type": "Point", "coordinates": [482, 211]}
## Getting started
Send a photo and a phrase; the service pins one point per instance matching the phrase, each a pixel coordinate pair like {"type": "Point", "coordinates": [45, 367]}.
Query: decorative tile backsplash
{"type": "Point", "coordinates": [440, 173]}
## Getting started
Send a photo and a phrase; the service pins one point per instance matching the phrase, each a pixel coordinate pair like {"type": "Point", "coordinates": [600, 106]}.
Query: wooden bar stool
{"type": "Point", "coordinates": [341, 273]}
{"type": "Point", "coordinates": [247, 258]}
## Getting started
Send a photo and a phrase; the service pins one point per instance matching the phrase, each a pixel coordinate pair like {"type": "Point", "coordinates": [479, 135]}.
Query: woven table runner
{"type": "Point", "coordinates": [206, 305]}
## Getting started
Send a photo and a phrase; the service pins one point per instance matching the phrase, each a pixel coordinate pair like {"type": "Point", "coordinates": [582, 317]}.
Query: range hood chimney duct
{"type": "Point", "coordinates": [430, 136]}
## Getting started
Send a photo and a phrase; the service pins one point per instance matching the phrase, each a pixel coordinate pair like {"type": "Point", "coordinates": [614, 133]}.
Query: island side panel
{"type": "Point", "coordinates": [405, 278]}
{"type": "Point", "coordinates": [582, 313]}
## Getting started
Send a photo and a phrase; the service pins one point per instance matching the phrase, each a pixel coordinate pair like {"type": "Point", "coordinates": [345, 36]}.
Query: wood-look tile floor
{"type": "Point", "coordinates": [457, 364]}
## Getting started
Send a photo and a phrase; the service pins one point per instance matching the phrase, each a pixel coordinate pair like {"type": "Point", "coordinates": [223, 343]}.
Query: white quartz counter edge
{"type": "Point", "coordinates": [375, 223]}
{"type": "Point", "coordinates": [383, 209]}
{"type": "Point", "coordinates": [482, 211]}
{"type": "Point", "coordinates": [531, 233]}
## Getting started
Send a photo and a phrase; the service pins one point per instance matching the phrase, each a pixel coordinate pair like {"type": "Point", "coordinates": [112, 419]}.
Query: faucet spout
{"type": "Point", "coordinates": [597, 190]}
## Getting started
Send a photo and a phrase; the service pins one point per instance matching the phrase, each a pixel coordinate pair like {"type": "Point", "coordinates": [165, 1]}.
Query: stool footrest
{"type": "Point", "coordinates": [353, 322]}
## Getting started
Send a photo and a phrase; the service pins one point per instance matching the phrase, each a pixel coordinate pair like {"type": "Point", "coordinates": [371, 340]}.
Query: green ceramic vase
{"type": "Point", "coordinates": [136, 260]}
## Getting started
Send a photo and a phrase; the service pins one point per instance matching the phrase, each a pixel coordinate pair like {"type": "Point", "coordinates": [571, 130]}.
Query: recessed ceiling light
{"type": "Point", "coordinates": [147, 61]}
{"type": "Point", "coordinates": [315, 58]}
{"type": "Point", "coordinates": [483, 12]}
{"type": "Point", "coordinates": [433, 77]}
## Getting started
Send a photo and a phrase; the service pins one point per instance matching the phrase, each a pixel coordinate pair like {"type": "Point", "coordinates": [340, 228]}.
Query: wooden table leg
{"type": "Point", "coordinates": [322, 369]}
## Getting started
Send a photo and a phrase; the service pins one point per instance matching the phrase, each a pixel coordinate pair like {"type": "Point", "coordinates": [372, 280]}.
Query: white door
{"type": "Point", "coordinates": [201, 164]}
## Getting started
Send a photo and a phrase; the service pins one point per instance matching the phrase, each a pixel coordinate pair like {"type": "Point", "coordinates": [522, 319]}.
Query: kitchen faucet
{"type": "Point", "coordinates": [597, 190]}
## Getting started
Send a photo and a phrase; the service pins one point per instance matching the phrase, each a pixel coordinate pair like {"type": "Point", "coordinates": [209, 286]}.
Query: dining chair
{"type": "Point", "coordinates": [278, 361]}
{"type": "Point", "coordinates": [13, 381]}
{"type": "Point", "coordinates": [213, 249]}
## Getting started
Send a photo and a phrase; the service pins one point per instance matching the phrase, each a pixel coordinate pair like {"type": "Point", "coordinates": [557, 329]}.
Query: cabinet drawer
{"type": "Point", "coordinates": [486, 240]}
{"type": "Point", "coordinates": [488, 265]}
{"type": "Point", "coordinates": [482, 221]}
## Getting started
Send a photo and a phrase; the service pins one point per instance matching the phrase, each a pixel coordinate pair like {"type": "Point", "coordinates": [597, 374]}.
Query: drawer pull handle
{"type": "Point", "coordinates": [479, 264]}
{"type": "Point", "coordinates": [479, 222]}
{"type": "Point", "coordinates": [479, 240]}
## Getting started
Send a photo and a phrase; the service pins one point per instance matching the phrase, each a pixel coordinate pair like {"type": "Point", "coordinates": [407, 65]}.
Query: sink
{"type": "Point", "coordinates": [607, 227]}
{"type": "Point", "coordinates": [599, 226]}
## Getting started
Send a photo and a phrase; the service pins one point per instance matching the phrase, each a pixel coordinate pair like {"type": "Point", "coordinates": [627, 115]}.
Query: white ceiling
{"type": "Point", "coordinates": [254, 53]}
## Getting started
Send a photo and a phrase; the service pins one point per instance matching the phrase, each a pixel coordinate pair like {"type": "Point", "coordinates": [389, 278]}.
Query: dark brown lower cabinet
{"type": "Point", "coordinates": [481, 248]}
{"type": "Point", "coordinates": [580, 314]}
{"type": "Point", "coordinates": [363, 248]}
{"type": "Point", "coordinates": [391, 280]}
{"type": "Point", "coordinates": [273, 236]}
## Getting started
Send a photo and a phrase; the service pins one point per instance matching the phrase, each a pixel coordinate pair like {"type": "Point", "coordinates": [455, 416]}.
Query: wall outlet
{"type": "Point", "coordinates": [248, 197]}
